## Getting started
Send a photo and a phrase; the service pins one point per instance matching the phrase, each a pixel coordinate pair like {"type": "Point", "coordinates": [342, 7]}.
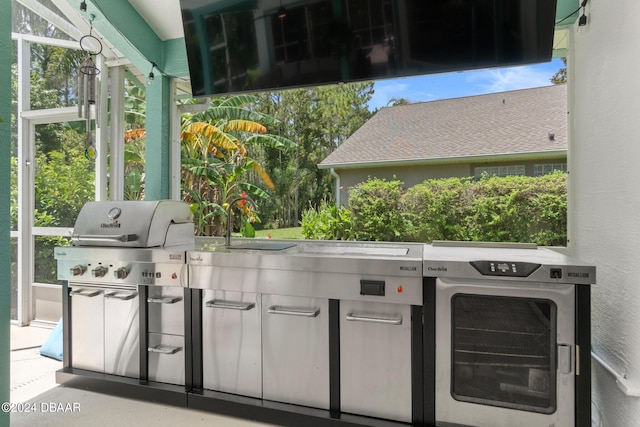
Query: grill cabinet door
{"type": "Point", "coordinates": [87, 328]}
{"type": "Point", "coordinates": [232, 342]}
{"type": "Point", "coordinates": [122, 333]}
{"type": "Point", "coordinates": [295, 350]}
{"type": "Point", "coordinates": [375, 359]}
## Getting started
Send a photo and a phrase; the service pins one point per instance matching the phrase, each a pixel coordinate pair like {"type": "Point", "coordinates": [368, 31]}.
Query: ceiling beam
{"type": "Point", "coordinates": [129, 33]}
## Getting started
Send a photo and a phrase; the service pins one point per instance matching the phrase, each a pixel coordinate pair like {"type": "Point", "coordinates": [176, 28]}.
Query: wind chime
{"type": "Point", "coordinates": [87, 88]}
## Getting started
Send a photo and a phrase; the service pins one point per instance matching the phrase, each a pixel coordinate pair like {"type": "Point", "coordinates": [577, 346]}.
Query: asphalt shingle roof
{"type": "Point", "coordinates": [505, 123]}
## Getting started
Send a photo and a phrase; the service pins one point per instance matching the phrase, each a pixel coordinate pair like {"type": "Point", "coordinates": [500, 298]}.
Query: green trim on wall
{"type": "Point", "coordinates": [158, 139]}
{"type": "Point", "coordinates": [120, 23]}
{"type": "Point", "coordinates": [564, 8]}
{"type": "Point", "coordinates": [6, 47]}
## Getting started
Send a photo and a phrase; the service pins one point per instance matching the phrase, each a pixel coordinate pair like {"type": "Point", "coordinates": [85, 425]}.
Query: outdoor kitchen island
{"type": "Point", "coordinates": [331, 332]}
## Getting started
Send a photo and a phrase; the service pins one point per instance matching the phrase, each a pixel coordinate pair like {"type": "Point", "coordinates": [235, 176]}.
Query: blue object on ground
{"type": "Point", "coordinates": [53, 346]}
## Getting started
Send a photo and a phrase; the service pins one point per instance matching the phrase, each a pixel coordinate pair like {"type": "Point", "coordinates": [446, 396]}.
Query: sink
{"type": "Point", "coordinates": [262, 246]}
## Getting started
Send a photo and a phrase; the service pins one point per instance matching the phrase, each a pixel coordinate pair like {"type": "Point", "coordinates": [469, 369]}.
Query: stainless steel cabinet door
{"type": "Point", "coordinates": [375, 359]}
{"type": "Point", "coordinates": [232, 342]}
{"type": "Point", "coordinates": [87, 328]}
{"type": "Point", "coordinates": [295, 350]}
{"type": "Point", "coordinates": [122, 333]}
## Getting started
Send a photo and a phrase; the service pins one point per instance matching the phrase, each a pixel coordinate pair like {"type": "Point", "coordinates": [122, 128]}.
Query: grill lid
{"type": "Point", "coordinates": [140, 224]}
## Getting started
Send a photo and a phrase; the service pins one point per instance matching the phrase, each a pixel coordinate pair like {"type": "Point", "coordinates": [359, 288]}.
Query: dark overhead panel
{"type": "Point", "coordinates": [239, 46]}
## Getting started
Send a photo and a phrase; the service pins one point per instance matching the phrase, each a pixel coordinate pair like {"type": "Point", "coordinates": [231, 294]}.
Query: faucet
{"type": "Point", "coordinates": [227, 237]}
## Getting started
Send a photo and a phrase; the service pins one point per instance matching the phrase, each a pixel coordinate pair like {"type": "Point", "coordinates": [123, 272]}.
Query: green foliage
{"type": "Point", "coordinates": [328, 222]}
{"type": "Point", "coordinates": [436, 209]}
{"type": "Point", "coordinates": [377, 211]}
{"type": "Point", "coordinates": [493, 209]}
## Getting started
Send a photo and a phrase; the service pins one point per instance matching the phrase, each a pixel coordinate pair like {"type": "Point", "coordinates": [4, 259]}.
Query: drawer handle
{"type": "Point", "coordinates": [85, 293]}
{"type": "Point", "coordinates": [230, 305]}
{"type": "Point", "coordinates": [164, 300]}
{"type": "Point", "coordinates": [276, 309]}
{"type": "Point", "coordinates": [164, 349]}
{"type": "Point", "coordinates": [385, 320]}
{"type": "Point", "coordinates": [122, 297]}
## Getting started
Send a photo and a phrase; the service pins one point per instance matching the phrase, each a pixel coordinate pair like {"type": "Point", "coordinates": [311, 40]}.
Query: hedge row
{"type": "Point", "coordinates": [492, 209]}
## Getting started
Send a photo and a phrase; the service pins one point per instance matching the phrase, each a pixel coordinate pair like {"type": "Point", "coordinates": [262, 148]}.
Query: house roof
{"type": "Point", "coordinates": [516, 124]}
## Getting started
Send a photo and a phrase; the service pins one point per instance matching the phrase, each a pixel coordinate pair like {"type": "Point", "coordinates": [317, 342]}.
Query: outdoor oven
{"type": "Point", "coordinates": [512, 335]}
{"type": "Point", "coordinates": [125, 289]}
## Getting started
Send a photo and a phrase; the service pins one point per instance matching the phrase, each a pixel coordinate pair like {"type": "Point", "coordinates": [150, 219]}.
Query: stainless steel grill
{"type": "Point", "coordinates": [124, 251]}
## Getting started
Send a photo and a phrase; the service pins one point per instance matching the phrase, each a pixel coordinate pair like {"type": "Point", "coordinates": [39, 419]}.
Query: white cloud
{"type": "Point", "coordinates": [500, 80]}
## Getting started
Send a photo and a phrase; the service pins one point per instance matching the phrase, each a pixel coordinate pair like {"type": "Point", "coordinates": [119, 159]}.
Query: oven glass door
{"type": "Point", "coordinates": [503, 351]}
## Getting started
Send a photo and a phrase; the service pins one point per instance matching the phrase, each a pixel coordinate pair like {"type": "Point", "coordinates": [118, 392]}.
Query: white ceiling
{"type": "Point", "coordinates": [163, 16]}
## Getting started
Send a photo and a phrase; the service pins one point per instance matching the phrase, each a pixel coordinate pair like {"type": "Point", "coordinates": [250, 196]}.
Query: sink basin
{"type": "Point", "coordinates": [262, 246]}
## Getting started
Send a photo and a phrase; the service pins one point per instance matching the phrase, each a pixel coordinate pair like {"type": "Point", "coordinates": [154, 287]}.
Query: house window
{"type": "Point", "coordinates": [499, 170]}
{"type": "Point", "coordinates": [545, 168]}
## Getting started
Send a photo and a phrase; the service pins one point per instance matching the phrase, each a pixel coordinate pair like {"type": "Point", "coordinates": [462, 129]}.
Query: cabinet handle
{"type": "Point", "coordinates": [230, 305]}
{"type": "Point", "coordinates": [164, 300]}
{"type": "Point", "coordinates": [85, 293]}
{"type": "Point", "coordinates": [385, 320]}
{"type": "Point", "coordinates": [164, 349]}
{"type": "Point", "coordinates": [122, 297]}
{"type": "Point", "coordinates": [276, 309]}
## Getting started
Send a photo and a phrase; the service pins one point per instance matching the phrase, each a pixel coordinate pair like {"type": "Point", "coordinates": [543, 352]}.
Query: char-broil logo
{"type": "Point", "coordinates": [196, 258]}
{"type": "Point", "coordinates": [429, 268]}
{"type": "Point", "coordinates": [113, 215]}
{"type": "Point", "coordinates": [114, 224]}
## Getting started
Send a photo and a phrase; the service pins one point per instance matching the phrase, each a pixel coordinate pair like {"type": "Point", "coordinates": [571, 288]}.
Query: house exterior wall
{"type": "Point", "coordinates": [604, 199]}
{"type": "Point", "coordinates": [415, 174]}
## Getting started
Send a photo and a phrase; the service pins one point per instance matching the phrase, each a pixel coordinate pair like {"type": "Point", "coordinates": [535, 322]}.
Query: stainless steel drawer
{"type": "Point", "coordinates": [166, 359]}
{"type": "Point", "coordinates": [165, 308]}
{"type": "Point", "coordinates": [295, 350]}
{"type": "Point", "coordinates": [375, 359]}
{"type": "Point", "coordinates": [231, 342]}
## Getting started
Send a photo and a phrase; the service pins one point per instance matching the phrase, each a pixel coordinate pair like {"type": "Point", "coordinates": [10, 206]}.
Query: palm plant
{"type": "Point", "coordinates": [216, 160]}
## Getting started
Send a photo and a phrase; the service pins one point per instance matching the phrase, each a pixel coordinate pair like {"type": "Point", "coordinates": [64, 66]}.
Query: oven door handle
{"type": "Point", "coordinates": [85, 293]}
{"type": "Point", "coordinates": [384, 320]}
{"type": "Point", "coordinates": [291, 311]}
{"type": "Point", "coordinates": [121, 296]}
{"type": "Point", "coordinates": [230, 305]}
{"type": "Point", "coordinates": [97, 238]}
{"type": "Point", "coordinates": [164, 349]}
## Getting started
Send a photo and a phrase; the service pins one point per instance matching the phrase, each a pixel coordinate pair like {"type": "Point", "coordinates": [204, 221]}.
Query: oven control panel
{"type": "Point", "coordinates": [505, 268]}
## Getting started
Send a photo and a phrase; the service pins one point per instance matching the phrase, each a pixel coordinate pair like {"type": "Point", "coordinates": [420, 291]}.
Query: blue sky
{"type": "Point", "coordinates": [455, 85]}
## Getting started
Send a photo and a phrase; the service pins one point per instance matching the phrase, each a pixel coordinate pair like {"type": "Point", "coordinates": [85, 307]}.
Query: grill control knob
{"type": "Point", "coordinates": [77, 270]}
{"type": "Point", "coordinates": [121, 273]}
{"type": "Point", "coordinates": [99, 271]}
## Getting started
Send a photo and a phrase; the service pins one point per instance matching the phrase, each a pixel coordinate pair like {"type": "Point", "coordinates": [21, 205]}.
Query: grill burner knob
{"type": "Point", "coordinates": [99, 271]}
{"type": "Point", "coordinates": [121, 273]}
{"type": "Point", "coordinates": [77, 270]}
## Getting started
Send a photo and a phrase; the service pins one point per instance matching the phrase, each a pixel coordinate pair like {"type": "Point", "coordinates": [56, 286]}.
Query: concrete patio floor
{"type": "Point", "coordinates": [34, 389]}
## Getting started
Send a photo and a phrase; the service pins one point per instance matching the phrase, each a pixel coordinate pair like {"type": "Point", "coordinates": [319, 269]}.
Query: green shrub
{"type": "Point", "coordinates": [377, 212]}
{"type": "Point", "coordinates": [328, 222]}
{"type": "Point", "coordinates": [436, 209]}
{"type": "Point", "coordinates": [492, 209]}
